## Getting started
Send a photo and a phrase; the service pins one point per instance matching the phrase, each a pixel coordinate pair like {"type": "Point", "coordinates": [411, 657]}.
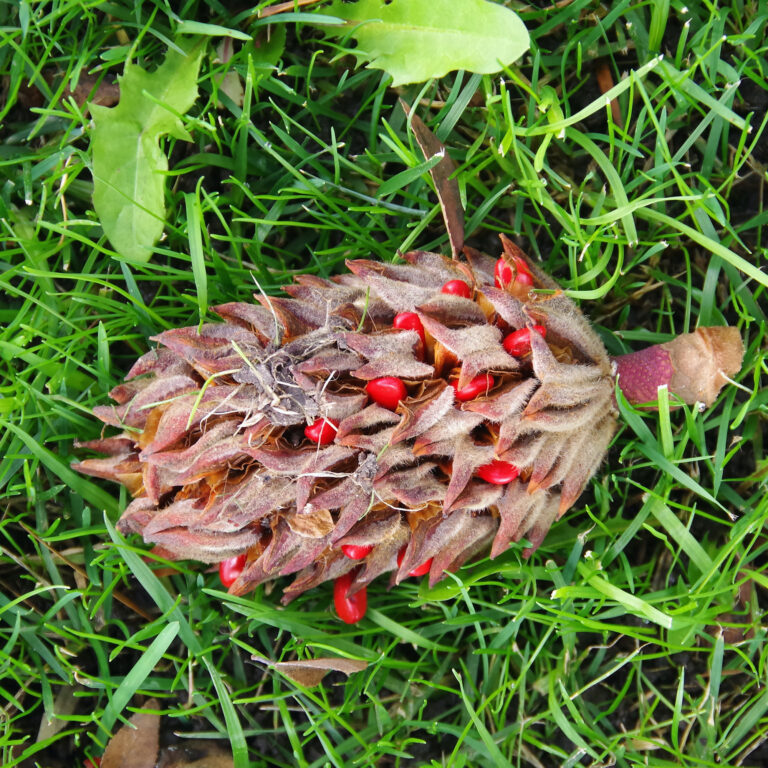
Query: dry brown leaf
{"type": "Point", "coordinates": [196, 754]}
{"type": "Point", "coordinates": [447, 187]}
{"type": "Point", "coordinates": [605, 83]}
{"type": "Point", "coordinates": [310, 672]}
{"type": "Point", "coordinates": [91, 89]}
{"type": "Point", "coordinates": [64, 704]}
{"type": "Point", "coordinates": [135, 745]}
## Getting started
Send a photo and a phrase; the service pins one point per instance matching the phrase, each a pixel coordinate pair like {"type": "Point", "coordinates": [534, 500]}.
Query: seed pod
{"type": "Point", "coordinates": [214, 444]}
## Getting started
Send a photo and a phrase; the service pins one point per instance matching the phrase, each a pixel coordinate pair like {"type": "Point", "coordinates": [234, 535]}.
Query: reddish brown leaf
{"type": "Point", "coordinates": [446, 186]}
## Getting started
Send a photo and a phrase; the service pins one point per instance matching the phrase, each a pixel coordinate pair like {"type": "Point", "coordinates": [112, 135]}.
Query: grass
{"type": "Point", "coordinates": [636, 634]}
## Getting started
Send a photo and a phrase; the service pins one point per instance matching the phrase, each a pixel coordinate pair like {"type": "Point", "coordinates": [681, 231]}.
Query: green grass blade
{"type": "Point", "coordinates": [138, 674]}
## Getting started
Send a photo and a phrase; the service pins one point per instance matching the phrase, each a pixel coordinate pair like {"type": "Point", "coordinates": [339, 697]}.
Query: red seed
{"type": "Point", "coordinates": [419, 570]}
{"type": "Point", "coordinates": [230, 569]}
{"type": "Point", "coordinates": [477, 386]}
{"type": "Point", "coordinates": [356, 551]}
{"type": "Point", "coordinates": [409, 321]}
{"type": "Point", "coordinates": [518, 343]}
{"type": "Point", "coordinates": [524, 278]}
{"type": "Point", "coordinates": [351, 608]}
{"type": "Point", "coordinates": [457, 288]}
{"type": "Point", "coordinates": [422, 569]}
{"type": "Point", "coordinates": [498, 472]}
{"type": "Point", "coordinates": [387, 391]}
{"type": "Point", "coordinates": [322, 431]}
{"type": "Point", "coordinates": [504, 274]}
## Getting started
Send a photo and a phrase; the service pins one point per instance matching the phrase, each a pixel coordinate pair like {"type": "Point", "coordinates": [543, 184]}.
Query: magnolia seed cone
{"type": "Point", "coordinates": [213, 448]}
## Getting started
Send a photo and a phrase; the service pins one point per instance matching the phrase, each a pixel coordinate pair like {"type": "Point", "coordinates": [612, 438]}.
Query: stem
{"type": "Point", "coordinates": [694, 366]}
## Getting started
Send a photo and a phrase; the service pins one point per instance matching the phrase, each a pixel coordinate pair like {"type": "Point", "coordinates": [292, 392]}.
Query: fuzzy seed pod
{"type": "Point", "coordinates": [278, 434]}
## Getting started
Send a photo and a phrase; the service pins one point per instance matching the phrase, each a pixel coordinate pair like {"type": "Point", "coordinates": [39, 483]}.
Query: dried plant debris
{"type": "Point", "coordinates": [397, 418]}
{"type": "Point", "coordinates": [136, 744]}
{"type": "Point", "coordinates": [310, 672]}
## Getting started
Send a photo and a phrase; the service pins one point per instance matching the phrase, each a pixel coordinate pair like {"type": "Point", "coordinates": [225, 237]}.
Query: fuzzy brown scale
{"type": "Point", "coordinates": [210, 420]}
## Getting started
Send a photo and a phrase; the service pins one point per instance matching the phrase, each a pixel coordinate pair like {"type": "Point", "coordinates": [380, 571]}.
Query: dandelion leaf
{"type": "Point", "coordinates": [129, 165]}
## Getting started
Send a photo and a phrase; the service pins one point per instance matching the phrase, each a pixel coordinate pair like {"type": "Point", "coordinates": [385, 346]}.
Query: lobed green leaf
{"type": "Point", "coordinates": [129, 165]}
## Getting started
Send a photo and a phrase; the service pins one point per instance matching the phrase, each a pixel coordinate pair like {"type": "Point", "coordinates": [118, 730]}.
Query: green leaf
{"type": "Point", "coordinates": [414, 40]}
{"type": "Point", "coordinates": [129, 165]}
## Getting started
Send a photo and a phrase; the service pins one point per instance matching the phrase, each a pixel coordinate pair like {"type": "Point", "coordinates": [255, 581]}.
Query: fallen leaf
{"type": "Point", "coordinates": [91, 89]}
{"type": "Point", "coordinates": [135, 745]}
{"type": "Point", "coordinates": [52, 722]}
{"type": "Point", "coordinates": [446, 186]}
{"type": "Point", "coordinates": [196, 754]}
{"type": "Point", "coordinates": [310, 672]}
{"type": "Point", "coordinates": [605, 83]}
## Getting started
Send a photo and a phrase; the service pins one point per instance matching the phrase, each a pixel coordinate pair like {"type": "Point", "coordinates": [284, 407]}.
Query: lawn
{"type": "Point", "coordinates": [636, 634]}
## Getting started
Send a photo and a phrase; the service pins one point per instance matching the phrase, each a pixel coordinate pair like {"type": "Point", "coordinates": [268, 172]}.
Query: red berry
{"type": "Point", "coordinates": [504, 274]}
{"type": "Point", "coordinates": [356, 551]}
{"type": "Point", "coordinates": [351, 608]}
{"type": "Point", "coordinates": [230, 569]}
{"type": "Point", "coordinates": [477, 386]}
{"type": "Point", "coordinates": [409, 321]}
{"type": "Point", "coordinates": [93, 762]}
{"type": "Point", "coordinates": [498, 472]}
{"type": "Point", "coordinates": [518, 343]}
{"type": "Point", "coordinates": [419, 570]}
{"type": "Point", "coordinates": [387, 391]}
{"type": "Point", "coordinates": [322, 431]}
{"type": "Point", "coordinates": [457, 288]}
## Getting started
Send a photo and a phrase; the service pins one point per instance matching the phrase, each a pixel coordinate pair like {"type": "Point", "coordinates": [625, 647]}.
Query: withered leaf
{"type": "Point", "coordinates": [446, 186]}
{"type": "Point", "coordinates": [64, 705]}
{"type": "Point", "coordinates": [310, 672]}
{"type": "Point", "coordinates": [135, 745]}
{"type": "Point", "coordinates": [196, 753]}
